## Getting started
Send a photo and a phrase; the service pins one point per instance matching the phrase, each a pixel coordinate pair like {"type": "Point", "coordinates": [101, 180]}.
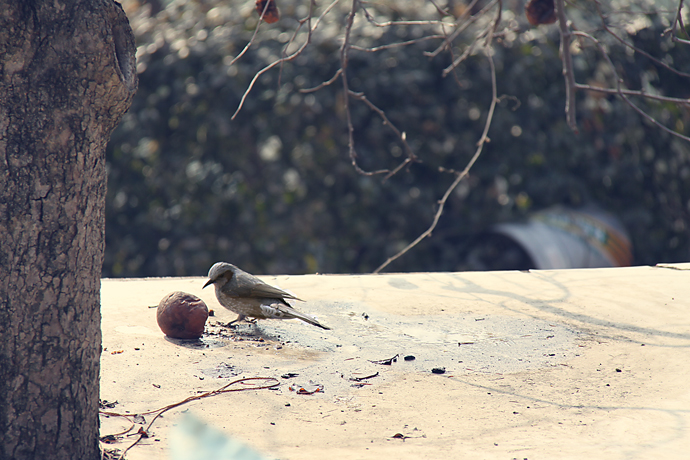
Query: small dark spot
{"type": "Point", "coordinates": [516, 412]}
{"type": "Point", "coordinates": [287, 405]}
{"type": "Point", "coordinates": [273, 423]}
{"type": "Point", "coordinates": [618, 370]}
{"type": "Point", "coordinates": [211, 313]}
{"type": "Point", "coordinates": [608, 385]}
{"type": "Point", "coordinates": [438, 370]}
{"type": "Point", "coordinates": [365, 316]}
{"type": "Point", "coordinates": [409, 358]}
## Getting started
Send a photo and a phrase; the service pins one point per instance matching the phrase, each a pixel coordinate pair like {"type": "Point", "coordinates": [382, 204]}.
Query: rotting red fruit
{"type": "Point", "coordinates": [182, 315]}
{"type": "Point", "coordinates": [272, 13]}
{"type": "Point", "coordinates": [540, 12]}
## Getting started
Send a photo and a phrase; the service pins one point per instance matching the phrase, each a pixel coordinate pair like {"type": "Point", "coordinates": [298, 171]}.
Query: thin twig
{"type": "Point", "coordinates": [629, 92]}
{"type": "Point", "coordinates": [447, 42]}
{"type": "Point", "coordinates": [460, 59]}
{"type": "Point", "coordinates": [489, 33]}
{"type": "Point", "coordinates": [344, 57]}
{"type": "Point", "coordinates": [323, 83]}
{"type": "Point", "coordinates": [301, 23]}
{"type": "Point", "coordinates": [682, 27]}
{"type": "Point", "coordinates": [251, 41]}
{"type": "Point", "coordinates": [452, 57]}
{"type": "Point", "coordinates": [280, 61]}
{"type": "Point", "coordinates": [162, 410]}
{"type": "Point", "coordinates": [440, 10]}
{"type": "Point", "coordinates": [396, 45]}
{"type": "Point", "coordinates": [256, 77]}
{"type": "Point", "coordinates": [676, 22]}
{"type": "Point", "coordinates": [387, 122]}
{"type": "Point", "coordinates": [460, 176]}
{"type": "Point", "coordinates": [494, 26]}
{"type": "Point", "coordinates": [620, 92]}
{"type": "Point", "coordinates": [398, 168]}
{"type": "Point", "coordinates": [633, 47]}
{"type": "Point", "coordinates": [370, 19]}
{"type": "Point", "coordinates": [568, 73]}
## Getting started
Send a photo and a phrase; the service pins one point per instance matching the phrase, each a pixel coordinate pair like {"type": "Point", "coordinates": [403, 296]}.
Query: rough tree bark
{"type": "Point", "coordinates": [67, 74]}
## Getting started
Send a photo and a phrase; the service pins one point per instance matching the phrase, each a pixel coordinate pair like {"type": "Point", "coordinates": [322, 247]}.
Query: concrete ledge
{"type": "Point", "coordinates": [547, 364]}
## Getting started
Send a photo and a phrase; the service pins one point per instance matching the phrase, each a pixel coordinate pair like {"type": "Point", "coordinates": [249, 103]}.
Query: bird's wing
{"type": "Point", "coordinates": [246, 285]}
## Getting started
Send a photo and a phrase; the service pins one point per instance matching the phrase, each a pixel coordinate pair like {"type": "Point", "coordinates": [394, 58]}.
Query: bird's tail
{"type": "Point", "coordinates": [308, 319]}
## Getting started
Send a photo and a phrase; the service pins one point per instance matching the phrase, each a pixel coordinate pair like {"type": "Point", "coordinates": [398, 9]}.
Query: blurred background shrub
{"type": "Point", "coordinates": [273, 190]}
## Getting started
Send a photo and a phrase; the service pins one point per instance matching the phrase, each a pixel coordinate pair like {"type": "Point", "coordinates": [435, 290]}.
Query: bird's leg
{"type": "Point", "coordinates": [239, 319]}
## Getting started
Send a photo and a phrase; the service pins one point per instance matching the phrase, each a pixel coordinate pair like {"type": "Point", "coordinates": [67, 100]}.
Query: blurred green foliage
{"type": "Point", "coordinates": [273, 190]}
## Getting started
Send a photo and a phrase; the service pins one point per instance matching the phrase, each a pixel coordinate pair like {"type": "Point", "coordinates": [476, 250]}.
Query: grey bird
{"type": "Point", "coordinates": [248, 296]}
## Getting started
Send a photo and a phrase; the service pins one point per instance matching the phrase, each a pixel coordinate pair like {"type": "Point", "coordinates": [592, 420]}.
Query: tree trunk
{"type": "Point", "coordinates": [67, 74]}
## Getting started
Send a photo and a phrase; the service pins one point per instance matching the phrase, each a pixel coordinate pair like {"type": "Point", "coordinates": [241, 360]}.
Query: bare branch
{"type": "Point", "coordinates": [459, 176]}
{"type": "Point", "coordinates": [631, 46]}
{"type": "Point", "coordinates": [487, 33]}
{"type": "Point", "coordinates": [447, 42]}
{"type": "Point", "coordinates": [566, 57]}
{"type": "Point", "coordinates": [621, 93]}
{"type": "Point", "coordinates": [281, 60]}
{"type": "Point", "coordinates": [397, 169]}
{"type": "Point", "coordinates": [325, 12]}
{"type": "Point", "coordinates": [302, 21]}
{"type": "Point", "coordinates": [460, 59]}
{"type": "Point", "coordinates": [628, 92]}
{"type": "Point", "coordinates": [264, 70]}
{"type": "Point", "coordinates": [411, 157]}
{"type": "Point", "coordinates": [323, 84]}
{"type": "Point", "coordinates": [441, 11]}
{"type": "Point", "coordinates": [396, 45]}
{"type": "Point", "coordinates": [676, 22]}
{"type": "Point", "coordinates": [371, 20]}
{"type": "Point", "coordinates": [344, 56]}
{"type": "Point", "coordinates": [251, 41]}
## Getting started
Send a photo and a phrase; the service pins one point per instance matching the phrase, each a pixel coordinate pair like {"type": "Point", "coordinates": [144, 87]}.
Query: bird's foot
{"type": "Point", "coordinates": [235, 323]}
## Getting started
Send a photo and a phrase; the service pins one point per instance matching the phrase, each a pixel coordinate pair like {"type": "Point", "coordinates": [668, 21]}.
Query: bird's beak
{"type": "Point", "coordinates": [207, 283]}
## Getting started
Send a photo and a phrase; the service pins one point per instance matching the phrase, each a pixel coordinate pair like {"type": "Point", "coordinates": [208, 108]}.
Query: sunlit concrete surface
{"type": "Point", "coordinates": [566, 364]}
